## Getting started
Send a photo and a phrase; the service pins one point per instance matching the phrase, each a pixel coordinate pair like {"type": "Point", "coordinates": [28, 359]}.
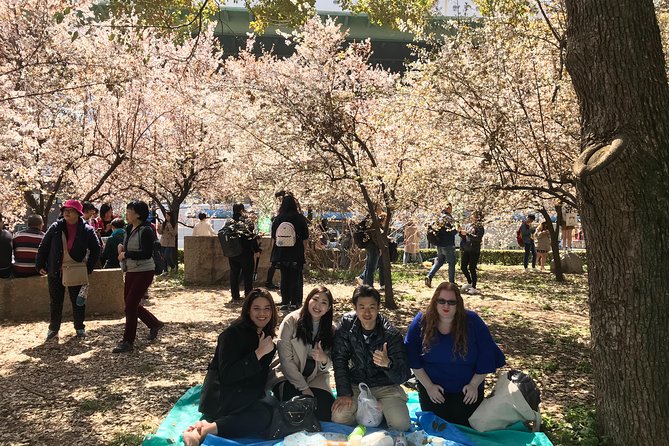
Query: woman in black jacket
{"type": "Point", "coordinates": [82, 246]}
{"type": "Point", "coordinates": [235, 382]}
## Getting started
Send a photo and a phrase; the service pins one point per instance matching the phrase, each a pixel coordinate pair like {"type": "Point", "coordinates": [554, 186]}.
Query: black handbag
{"type": "Point", "coordinates": [294, 415]}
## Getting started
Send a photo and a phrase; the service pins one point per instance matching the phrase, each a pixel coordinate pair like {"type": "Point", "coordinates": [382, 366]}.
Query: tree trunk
{"type": "Point", "coordinates": [555, 245]}
{"type": "Point", "coordinates": [615, 59]}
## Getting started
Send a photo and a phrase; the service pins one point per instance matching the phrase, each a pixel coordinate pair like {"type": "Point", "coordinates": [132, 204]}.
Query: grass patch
{"type": "Point", "coordinates": [578, 428]}
{"type": "Point", "coordinates": [104, 404]}
{"type": "Point", "coordinates": [126, 439]}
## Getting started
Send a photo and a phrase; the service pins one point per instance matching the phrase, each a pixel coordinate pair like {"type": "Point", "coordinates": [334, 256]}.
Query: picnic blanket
{"type": "Point", "coordinates": [185, 412]}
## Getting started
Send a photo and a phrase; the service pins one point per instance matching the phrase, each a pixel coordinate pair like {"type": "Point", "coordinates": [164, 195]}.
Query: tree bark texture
{"type": "Point", "coordinates": [615, 59]}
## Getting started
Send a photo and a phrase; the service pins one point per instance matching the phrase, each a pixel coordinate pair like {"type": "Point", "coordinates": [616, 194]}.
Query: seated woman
{"type": "Point", "coordinates": [235, 382]}
{"type": "Point", "coordinates": [303, 366]}
{"type": "Point", "coordinates": [451, 351]}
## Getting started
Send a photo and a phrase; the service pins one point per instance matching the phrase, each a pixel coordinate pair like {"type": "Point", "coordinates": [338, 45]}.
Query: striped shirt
{"type": "Point", "coordinates": [25, 250]}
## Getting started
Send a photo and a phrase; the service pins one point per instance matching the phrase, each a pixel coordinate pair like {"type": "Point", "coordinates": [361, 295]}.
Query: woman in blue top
{"type": "Point", "coordinates": [451, 351]}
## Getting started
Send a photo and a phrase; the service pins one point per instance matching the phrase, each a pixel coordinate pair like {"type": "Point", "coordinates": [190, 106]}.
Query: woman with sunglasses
{"type": "Point", "coordinates": [234, 386]}
{"type": "Point", "coordinates": [451, 351]}
{"type": "Point", "coordinates": [305, 339]}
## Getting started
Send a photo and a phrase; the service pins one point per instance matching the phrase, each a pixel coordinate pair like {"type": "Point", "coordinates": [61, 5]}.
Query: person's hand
{"type": "Point", "coordinates": [380, 357]}
{"type": "Point", "coordinates": [43, 272]}
{"type": "Point", "coordinates": [119, 248]}
{"type": "Point", "coordinates": [265, 345]}
{"type": "Point", "coordinates": [436, 393]}
{"type": "Point", "coordinates": [342, 403]}
{"type": "Point", "coordinates": [121, 256]}
{"type": "Point", "coordinates": [471, 393]}
{"type": "Point", "coordinates": [318, 354]}
{"type": "Point", "coordinates": [308, 392]}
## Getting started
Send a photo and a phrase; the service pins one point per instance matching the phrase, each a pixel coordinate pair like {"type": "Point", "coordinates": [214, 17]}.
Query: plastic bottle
{"type": "Point", "coordinates": [355, 437]}
{"type": "Point", "coordinates": [82, 296]}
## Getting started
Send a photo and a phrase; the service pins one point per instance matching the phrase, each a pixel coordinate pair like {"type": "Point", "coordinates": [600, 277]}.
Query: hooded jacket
{"type": "Point", "coordinates": [352, 355]}
{"type": "Point", "coordinates": [50, 252]}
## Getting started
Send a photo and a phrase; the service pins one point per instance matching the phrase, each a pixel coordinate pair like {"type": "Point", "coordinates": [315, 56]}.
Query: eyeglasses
{"type": "Point", "coordinates": [452, 303]}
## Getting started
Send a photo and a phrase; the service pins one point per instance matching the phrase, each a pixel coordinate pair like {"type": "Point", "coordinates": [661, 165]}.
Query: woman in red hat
{"type": "Point", "coordinates": [69, 245]}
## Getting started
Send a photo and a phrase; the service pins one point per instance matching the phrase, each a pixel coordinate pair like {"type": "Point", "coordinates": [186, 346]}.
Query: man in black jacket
{"type": "Point", "coordinates": [82, 245]}
{"type": "Point", "coordinates": [369, 349]}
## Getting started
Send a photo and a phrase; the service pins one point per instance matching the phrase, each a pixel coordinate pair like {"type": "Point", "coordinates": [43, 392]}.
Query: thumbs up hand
{"type": "Point", "coordinates": [265, 346]}
{"type": "Point", "coordinates": [318, 354]}
{"type": "Point", "coordinates": [380, 357]}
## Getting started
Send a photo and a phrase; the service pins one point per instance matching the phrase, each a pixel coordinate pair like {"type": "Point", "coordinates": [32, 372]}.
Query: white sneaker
{"type": "Point", "coordinates": [527, 270]}
{"type": "Point", "coordinates": [465, 287]}
{"type": "Point", "coordinates": [473, 291]}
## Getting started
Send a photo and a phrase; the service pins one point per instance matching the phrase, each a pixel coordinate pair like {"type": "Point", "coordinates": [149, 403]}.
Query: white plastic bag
{"type": "Point", "coordinates": [370, 411]}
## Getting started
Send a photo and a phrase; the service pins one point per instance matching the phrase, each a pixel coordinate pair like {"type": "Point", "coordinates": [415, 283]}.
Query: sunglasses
{"type": "Point", "coordinates": [452, 303]}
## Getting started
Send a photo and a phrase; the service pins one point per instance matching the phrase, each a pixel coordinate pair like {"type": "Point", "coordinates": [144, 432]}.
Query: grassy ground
{"type": "Point", "coordinates": [74, 392]}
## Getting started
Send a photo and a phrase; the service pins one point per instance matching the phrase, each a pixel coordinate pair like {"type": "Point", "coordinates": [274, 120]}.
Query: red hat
{"type": "Point", "coordinates": [73, 204]}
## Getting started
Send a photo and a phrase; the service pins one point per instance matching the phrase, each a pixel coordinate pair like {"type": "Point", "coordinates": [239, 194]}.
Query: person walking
{"type": "Point", "coordinates": [445, 226]}
{"type": "Point", "coordinates": [527, 232]}
{"type": "Point", "coordinates": [290, 233]}
{"type": "Point", "coordinates": [471, 251]}
{"type": "Point", "coordinates": [168, 241]}
{"type": "Point", "coordinates": [67, 255]}
{"type": "Point", "coordinates": [136, 257]}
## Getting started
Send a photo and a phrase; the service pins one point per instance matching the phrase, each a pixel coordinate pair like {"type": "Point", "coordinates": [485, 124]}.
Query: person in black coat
{"type": "Point", "coordinates": [233, 390]}
{"type": "Point", "coordinates": [369, 349]}
{"type": "Point", "coordinates": [288, 251]}
{"type": "Point", "coordinates": [243, 263]}
{"type": "Point", "coordinates": [81, 241]}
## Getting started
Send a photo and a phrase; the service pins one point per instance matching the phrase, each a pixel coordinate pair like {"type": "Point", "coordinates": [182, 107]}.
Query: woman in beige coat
{"type": "Point", "coordinates": [412, 243]}
{"type": "Point", "coordinates": [305, 340]}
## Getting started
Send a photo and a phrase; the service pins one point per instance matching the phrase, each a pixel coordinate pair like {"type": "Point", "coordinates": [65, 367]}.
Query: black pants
{"type": "Point", "coordinates": [530, 250]}
{"type": "Point", "coordinates": [250, 422]}
{"type": "Point", "coordinates": [292, 283]}
{"type": "Point", "coordinates": [453, 410]}
{"type": "Point", "coordinates": [244, 265]}
{"type": "Point", "coordinates": [324, 399]}
{"type": "Point", "coordinates": [270, 274]}
{"type": "Point", "coordinates": [468, 263]}
{"type": "Point", "coordinates": [57, 296]}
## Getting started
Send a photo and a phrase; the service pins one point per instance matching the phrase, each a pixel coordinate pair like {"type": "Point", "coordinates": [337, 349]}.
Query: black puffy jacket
{"type": "Point", "coordinates": [50, 252]}
{"type": "Point", "coordinates": [352, 356]}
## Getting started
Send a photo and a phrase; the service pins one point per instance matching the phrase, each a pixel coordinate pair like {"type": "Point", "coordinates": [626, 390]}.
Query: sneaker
{"type": "Point", "coordinates": [428, 281]}
{"type": "Point", "coordinates": [81, 333]}
{"type": "Point", "coordinates": [153, 332]}
{"type": "Point", "coordinates": [473, 291]}
{"type": "Point", "coordinates": [271, 286]}
{"type": "Point", "coordinates": [465, 287]}
{"type": "Point", "coordinates": [123, 347]}
{"type": "Point", "coordinates": [527, 270]}
{"type": "Point", "coordinates": [51, 335]}
{"type": "Point", "coordinates": [284, 307]}
{"type": "Point", "coordinates": [292, 307]}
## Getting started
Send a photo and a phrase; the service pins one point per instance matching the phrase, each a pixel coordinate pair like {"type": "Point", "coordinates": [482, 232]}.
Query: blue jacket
{"type": "Point", "coordinates": [50, 252]}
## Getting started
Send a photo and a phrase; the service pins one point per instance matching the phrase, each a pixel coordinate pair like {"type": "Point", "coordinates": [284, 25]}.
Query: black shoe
{"type": "Point", "coordinates": [123, 347]}
{"type": "Point", "coordinates": [284, 307]}
{"type": "Point", "coordinates": [428, 281]}
{"type": "Point", "coordinates": [51, 335]}
{"type": "Point", "coordinates": [153, 332]}
{"type": "Point", "coordinates": [271, 286]}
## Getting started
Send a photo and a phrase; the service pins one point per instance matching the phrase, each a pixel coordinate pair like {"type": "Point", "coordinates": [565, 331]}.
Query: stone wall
{"type": "Point", "coordinates": [205, 264]}
{"type": "Point", "coordinates": [27, 298]}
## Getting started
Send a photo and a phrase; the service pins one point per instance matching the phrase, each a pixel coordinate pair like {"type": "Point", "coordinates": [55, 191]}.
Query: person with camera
{"type": "Point", "coordinates": [232, 401]}
{"type": "Point", "coordinates": [369, 349]}
{"type": "Point", "coordinates": [445, 231]}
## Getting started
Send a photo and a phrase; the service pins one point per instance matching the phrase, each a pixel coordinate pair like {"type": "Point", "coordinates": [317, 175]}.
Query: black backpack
{"type": "Point", "coordinates": [230, 239]}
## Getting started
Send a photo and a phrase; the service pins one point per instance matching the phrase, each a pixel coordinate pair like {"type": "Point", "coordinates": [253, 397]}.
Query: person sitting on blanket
{"type": "Point", "coordinates": [368, 349]}
{"type": "Point", "coordinates": [235, 382]}
{"type": "Point", "coordinates": [303, 365]}
{"type": "Point", "coordinates": [451, 351]}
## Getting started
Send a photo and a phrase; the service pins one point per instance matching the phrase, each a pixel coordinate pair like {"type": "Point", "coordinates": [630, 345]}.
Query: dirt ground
{"type": "Point", "coordinates": [77, 392]}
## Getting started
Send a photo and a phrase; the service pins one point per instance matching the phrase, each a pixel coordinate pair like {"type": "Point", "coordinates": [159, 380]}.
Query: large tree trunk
{"type": "Point", "coordinates": [554, 231]}
{"type": "Point", "coordinates": [615, 59]}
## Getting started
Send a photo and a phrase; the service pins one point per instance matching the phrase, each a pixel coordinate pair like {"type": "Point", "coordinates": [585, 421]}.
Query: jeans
{"type": "Point", "coordinates": [57, 296]}
{"type": "Point", "coordinates": [136, 286]}
{"type": "Point", "coordinates": [412, 258]}
{"type": "Point", "coordinates": [243, 265]}
{"type": "Point", "coordinates": [444, 254]}
{"type": "Point", "coordinates": [468, 263]}
{"type": "Point", "coordinates": [530, 249]}
{"type": "Point", "coordinates": [168, 254]}
{"type": "Point", "coordinates": [292, 283]}
{"type": "Point", "coordinates": [371, 263]}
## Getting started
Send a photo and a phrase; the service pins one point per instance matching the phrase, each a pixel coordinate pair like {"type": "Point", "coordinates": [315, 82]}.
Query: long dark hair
{"type": "Point", "coordinates": [256, 293]}
{"type": "Point", "coordinates": [430, 323]}
{"type": "Point", "coordinates": [288, 205]}
{"type": "Point", "coordinates": [305, 324]}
